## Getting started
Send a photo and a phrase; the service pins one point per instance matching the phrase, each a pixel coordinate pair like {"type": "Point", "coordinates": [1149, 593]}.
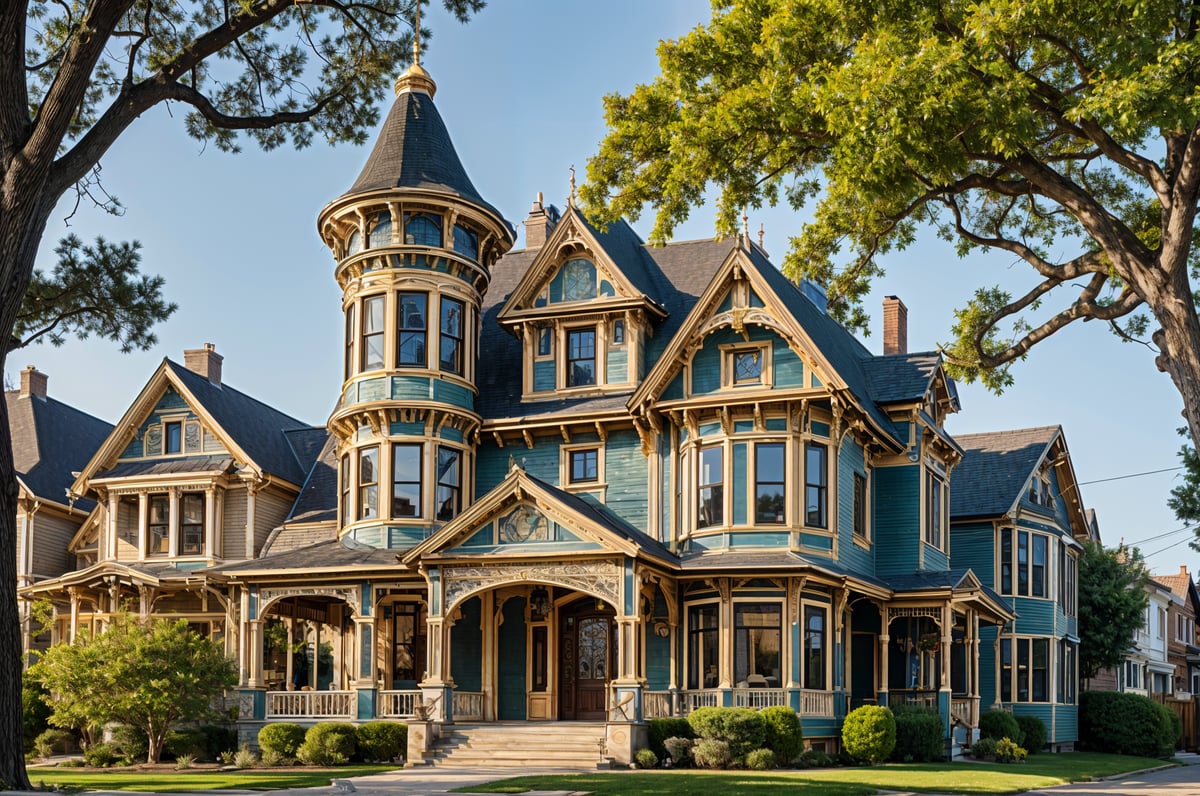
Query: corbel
{"type": "Point", "coordinates": [528, 437]}
{"type": "Point", "coordinates": [726, 421]}
{"type": "Point", "coordinates": [566, 434]}
{"type": "Point", "coordinates": [654, 419]}
{"type": "Point", "coordinates": [759, 423]}
{"type": "Point", "coordinates": [499, 439]}
{"type": "Point", "coordinates": [644, 435]}
{"type": "Point", "coordinates": [692, 422]}
{"type": "Point", "coordinates": [601, 432]}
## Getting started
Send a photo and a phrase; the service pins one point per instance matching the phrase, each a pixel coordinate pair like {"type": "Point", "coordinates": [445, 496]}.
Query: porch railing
{"type": "Point", "coordinates": [691, 700]}
{"type": "Point", "coordinates": [311, 704]}
{"type": "Point", "coordinates": [965, 710]}
{"type": "Point", "coordinates": [657, 704]}
{"type": "Point", "coordinates": [758, 698]}
{"type": "Point", "coordinates": [468, 705]}
{"type": "Point", "coordinates": [925, 699]}
{"type": "Point", "coordinates": [398, 704]}
{"type": "Point", "coordinates": [816, 703]}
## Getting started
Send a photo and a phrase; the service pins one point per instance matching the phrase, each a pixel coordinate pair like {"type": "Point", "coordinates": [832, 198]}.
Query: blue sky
{"type": "Point", "coordinates": [520, 90]}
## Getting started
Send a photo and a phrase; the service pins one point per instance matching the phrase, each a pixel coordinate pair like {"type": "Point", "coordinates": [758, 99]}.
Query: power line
{"type": "Point", "coordinates": [1168, 547]}
{"type": "Point", "coordinates": [1131, 475]}
{"type": "Point", "coordinates": [1163, 535]}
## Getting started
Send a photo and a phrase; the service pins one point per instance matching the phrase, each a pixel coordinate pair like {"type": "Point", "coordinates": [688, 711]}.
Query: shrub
{"type": "Point", "coordinates": [328, 743]}
{"type": "Point", "coordinates": [186, 743]}
{"type": "Point", "coordinates": [382, 740]}
{"type": "Point", "coordinates": [1007, 751]}
{"type": "Point", "coordinates": [245, 757]}
{"type": "Point", "coordinates": [184, 761]}
{"type": "Point", "coordinates": [218, 739]}
{"type": "Point", "coordinates": [272, 759]}
{"type": "Point", "coordinates": [783, 733]}
{"type": "Point", "coordinates": [741, 728]}
{"type": "Point", "coordinates": [869, 733]}
{"type": "Point", "coordinates": [53, 742]}
{"type": "Point", "coordinates": [813, 758]}
{"type": "Point", "coordinates": [100, 755]}
{"type": "Point", "coordinates": [659, 730]}
{"type": "Point", "coordinates": [1125, 724]}
{"type": "Point", "coordinates": [1033, 733]}
{"type": "Point", "coordinates": [645, 759]}
{"type": "Point", "coordinates": [761, 760]}
{"type": "Point", "coordinates": [680, 749]}
{"type": "Point", "coordinates": [131, 742]}
{"type": "Point", "coordinates": [984, 749]}
{"type": "Point", "coordinates": [1175, 731]}
{"type": "Point", "coordinates": [999, 724]}
{"type": "Point", "coordinates": [920, 735]}
{"type": "Point", "coordinates": [711, 753]}
{"type": "Point", "coordinates": [282, 737]}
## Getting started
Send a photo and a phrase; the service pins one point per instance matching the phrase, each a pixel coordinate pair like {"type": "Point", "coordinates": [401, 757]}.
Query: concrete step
{"type": "Point", "coordinates": [521, 745]}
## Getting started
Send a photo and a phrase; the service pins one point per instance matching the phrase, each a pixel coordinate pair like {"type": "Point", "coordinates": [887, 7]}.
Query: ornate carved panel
{"type": "Point", "coordinates": [600, 578]}
{"type": "Point", "coordinates": [348, 594]}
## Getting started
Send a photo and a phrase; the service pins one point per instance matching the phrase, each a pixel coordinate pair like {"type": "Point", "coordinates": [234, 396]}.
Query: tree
{"type": "Point", "coordinates": [1185, 498]}
{"type": "Point", "coordinates": [74, 75]}
{"type": "Point", "coordinates": [1112, 605]}
{"type": "Point", "coordinates": [1063, 133]}
{"type": "Point", "coordinates": [149, 675]}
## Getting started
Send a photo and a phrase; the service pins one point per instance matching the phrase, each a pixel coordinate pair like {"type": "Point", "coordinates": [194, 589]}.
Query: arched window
{"type": "Point", "coordinates": [354, 244]}
{"type": "Point", "coordinates": [423, 229]}
{"type": "Point", "coordinates": [579, 280]}
{"type": "Point", "coordinates": [466, 242]}
{"type": "Point", "coordinates": [381, 232]}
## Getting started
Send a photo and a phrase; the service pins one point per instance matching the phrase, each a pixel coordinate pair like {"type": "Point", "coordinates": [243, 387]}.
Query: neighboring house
{"type": "Point", "coordinates": [1183, 653]}
{"type": "Point", "coordinates": [591, 480]}
{"type": "Point", "coordinates": [50, 441]}
{"type": "Point", "coordinates": [1017, 522]}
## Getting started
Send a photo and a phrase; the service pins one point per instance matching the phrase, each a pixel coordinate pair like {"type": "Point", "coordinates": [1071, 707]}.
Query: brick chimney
{"type": "Point", "coordinates": [895, 326]}
{"type": "Point", "coordinates": [204, 361]}
{"type": "Point", "coordinates": [33, 382]}
{"type": "Point", "coordinates": [540, 223]}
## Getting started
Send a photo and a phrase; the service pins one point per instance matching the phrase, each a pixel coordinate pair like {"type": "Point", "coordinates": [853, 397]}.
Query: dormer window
{"type": "Point", "coordinates": [173, 437]}
{"type": "Point", "coordinates": [422, 229]}
{"type": "Point", "coordinates": [545, 343]}
{"type": "Point", "coordinates": [581, 357]}
{"type": "Point", "coordinates": [579, 280]}
{"type": "Point", "coordinates": [746, 365]}
{"type": "Point", "coordinates": [1039, 491]}
{"type": "Point", "coordinates": [618, 332]}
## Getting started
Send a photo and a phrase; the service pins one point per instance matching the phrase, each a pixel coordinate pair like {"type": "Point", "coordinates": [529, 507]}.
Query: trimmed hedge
{"type": "Point", "coordinates": [741, 728]}
{"type": "Point", "coordinates": [329, 743]}
{"type": "Point", "coordinates": [869, 733]}
{"type": "Point", "coordinates": [382, 740]}
{"type": "Point", "coordinates": [1000, 724]}
{"type": "Point", "coordinates": [282, 738]}
{"type": "Point", "coordinates": [784, 735]}
{"type": "Point", "coordinates": [1126, 724]}
{"type": "Point", "coordinates": [659, 730]}
{"type": "Point", "coordinates": [1033, 733]}
{"type": "Point", "coordinates": [920, 735]}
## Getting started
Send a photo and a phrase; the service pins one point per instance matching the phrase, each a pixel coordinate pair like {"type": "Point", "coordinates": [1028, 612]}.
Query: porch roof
{"type": "Point", "coordinates": [773, 561]}
{"type": "Point", "coordinates": [952, 580]}
{"type": "Point", "coordinates": [322, 558]}
{"type": "Point", "coordinates": [191, 464]}
{"type": "Point", "coordinates": [148, 573]}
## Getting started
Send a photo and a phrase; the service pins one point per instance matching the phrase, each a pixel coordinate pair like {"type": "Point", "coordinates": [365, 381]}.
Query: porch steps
{"type": "Point", "coordinates": [521, 745]}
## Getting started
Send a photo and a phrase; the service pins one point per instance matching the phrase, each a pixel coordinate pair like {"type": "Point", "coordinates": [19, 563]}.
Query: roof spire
{"type": "Point", "coordinates": [415, 78]}
{"type": "Point", "coordinates": [571, 198]}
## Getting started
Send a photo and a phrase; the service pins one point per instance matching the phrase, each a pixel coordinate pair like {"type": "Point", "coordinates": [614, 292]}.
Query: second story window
{"type": "Point", "coordinates": [545, 342]}
{"type": "Point", "coordinates": [344, 509]}
{"type": "Point", "coordinates": [451, 341]}
{"type": "Point", "coordinates": [581, 357]}
{"type": "Point", "coordinates": [158, 526]}
{"type": "Point", "coordinates": [860, 506]}
{"type": "Point", "coordinates": [348, 365]}
{"type": "Point", "coordinates": [191, 525]}
{"type": "Point", "coordinates": [711, 482]}
{"type": "Point", "coordinates": [406, 481]}
{"type": "Point", "coordinates": [368, 483]}
{"type": "Point", "coordinates": [816, 485]}
{"type": "Point", "coordinates": [1023, 563]}
{"type": "Point", "coordinates": [449, 483]}
{"type": "Point", "coordinates": [371, 347]}
{"type": "Point", "coordinates": [769, 484]}
{"type": "Point", "coordinates": [935, 509]}
{"type": "Point", "coordinates": [584, 464]}
{"type": "Point", "coordinates": [410, 345]}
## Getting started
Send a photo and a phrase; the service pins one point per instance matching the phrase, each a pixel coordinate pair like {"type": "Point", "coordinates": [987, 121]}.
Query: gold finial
{"type": "Point", "coordinates": [571, 199]}
{"type": "Point", "coordinates": [417, 33]}
{"type": "Point", "coordinates": [415, 78]}
{"type": "Point", "coordinates": [746, 227]}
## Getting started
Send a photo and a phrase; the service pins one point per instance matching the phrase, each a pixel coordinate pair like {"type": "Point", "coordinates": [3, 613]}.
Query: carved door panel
{"type": "Point", "coordinates": [585, 664]}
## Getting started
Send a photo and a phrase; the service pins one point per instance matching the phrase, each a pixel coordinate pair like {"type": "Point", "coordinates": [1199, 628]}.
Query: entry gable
{"type": "Point", "coordinates": [526, 517]}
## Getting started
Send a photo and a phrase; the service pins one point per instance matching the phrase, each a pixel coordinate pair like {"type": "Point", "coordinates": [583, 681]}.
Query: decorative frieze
{"type": "Point", "coordinates": [601, 578]}
{"type": "Point", "coordinates": [348, 594]}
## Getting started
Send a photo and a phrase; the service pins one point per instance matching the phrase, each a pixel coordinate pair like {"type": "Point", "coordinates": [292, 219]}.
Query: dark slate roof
{"type": "Point", "coordinates": [773, 560]}
{"type": "Point", "coordinates": [413, 150]}
{"type": "Point", "coordinates": [315, 558]}
{"type": "Point", "coordinates": [995, 469]}
{"type": "Point", "coordinates": [317, 501]}
{"type": "Point", "coordinates": [606, 519]}
{"type": "Point", "coordinates": [50, 441]}
{"type": "Point", "coordinates": [191, 464]}
{"type": "Point", "coordinates": [945, 579]}
{"type": "Point", "coordinates": [901, 377]}
{"type": "Point", "coordinates": [259, 430]}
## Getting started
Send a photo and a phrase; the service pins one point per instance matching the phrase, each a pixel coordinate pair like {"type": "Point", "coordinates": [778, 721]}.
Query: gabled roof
{"type": "Point", "coordinates": [992, 476]}
{"type": "Point", "coordinates": [414, 151]}
{"type": "Point", "coordinates": [256, 434]}
{"type": "Point", "coordinates": [317, 501]}
{"type": "Point", "coordinates": [897, 378]}
{"type": "Point", "coordinates": [148, 573]}
{"type": "Point", "coordinates": [51, 440]}
{"type": "Point", "coordinates": [953, 580]}
{"type": "Point", "coordinates": [592, 522]}
{"type": "Point", "coordinates": [1182, 586]}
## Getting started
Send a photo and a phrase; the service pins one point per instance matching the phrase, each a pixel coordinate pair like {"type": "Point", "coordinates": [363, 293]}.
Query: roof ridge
{"type": "Point", "coordinates": [226, 386]}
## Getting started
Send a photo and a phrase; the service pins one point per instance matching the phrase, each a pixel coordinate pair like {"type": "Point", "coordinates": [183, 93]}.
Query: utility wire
{"type": "Point", "coordinates": [1131, 475]}
{"type": "Point", "coordinates": [1165, 549]}
{"type": "Point", "coordinates": [1163, 535]}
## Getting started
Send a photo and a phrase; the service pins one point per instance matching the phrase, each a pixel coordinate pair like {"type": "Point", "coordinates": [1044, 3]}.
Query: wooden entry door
{"type": "Point", "coordinates": [588, 640]}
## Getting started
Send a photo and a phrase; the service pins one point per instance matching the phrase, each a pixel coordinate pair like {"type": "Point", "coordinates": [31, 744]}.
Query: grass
{"type": "Point", "coordinates": [1040, 771]}
{"type": "Point", "coordinates": [135, 779]}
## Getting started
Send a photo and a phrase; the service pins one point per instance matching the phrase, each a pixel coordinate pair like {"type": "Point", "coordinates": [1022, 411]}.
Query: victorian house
{"type": "Point", "coordinates": [588, 481]}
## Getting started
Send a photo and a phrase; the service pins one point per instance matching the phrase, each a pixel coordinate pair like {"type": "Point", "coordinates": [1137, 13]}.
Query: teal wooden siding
{"type": "Point", "coordinates": [491, 466]}
{"type": "Point", "coordinates": [466, 647]}
{"type": "Point", "coordinates": [626, 472]}
{"type": "Point", "coordinates": [706, 368]}
{"type": "Point", "coordinates": [617, 369]}
{"type": "Point", "coordinates": [789, 369]}
{"type": "Point", "coordinates": [849, 462]}
{"type": "Point", "coordinates": [658, 650]}
{"type": "Point", "coordinates": [973, 545]}
{"type": "Point", "coordinates": [664, 487]}
{"type": "Point", "coordinates": [1066, 724]}
{"type": "Point", "coordinates": [988, 683]}
{"type": "Point", "coordinates": [407, 429]}
{"type": "Point", "coordinates": [449, 392]}
{"type": "Point", "coordinates": [935, 560]}
{"type": "Point", "coordinates": [1034, 616]}
{"type": "Point", "coordinates": [897, 518]}
{"type": "Point", "coordinates": [543, 375]}
{"type": "Point", "coordinates": [510, 654]}
{"type": "Point", "coordinates": [674, 390]}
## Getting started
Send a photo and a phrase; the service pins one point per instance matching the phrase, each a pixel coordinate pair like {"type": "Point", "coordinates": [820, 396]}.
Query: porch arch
{"type": "Point", "coordinates": [601, 578]}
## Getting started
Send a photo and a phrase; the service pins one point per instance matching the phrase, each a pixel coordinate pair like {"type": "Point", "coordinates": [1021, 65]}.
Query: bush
{"type": "Point", "coordinates": [645, 759]}
{"type": "Point", "coordinates": [999, 724]}
{"type": "Point", "coordinates": [100, 755]}
{"type": "Point", "coordinates": [1125, 724]}
{"type": "Point", "coordinates": [131, 742]}
{"type": "Point", "coordinates": [920, 735]}
{"type": "Point", "coordinates": [184, 762]}
{"type": "Point", "coordinates": [659, 730]}
{"type": "Point", "coordinates": [382, 740]}
{"type": "Point", "coordinates": [761, 760]}
{"type": "Point", "coordinates": [1007, 751]}
{"type": "Point", "coordinates": [711, 753]}
{"type": "Point", "coordinates": [784, 735]}
{"type": "Point", "coordinates": [741, 728]}
{"type": "Point", "coordinates": [1175, 731]}
{"type": "Point", "coordinates": [869, 733]}
{"type": "Point", "coordinates": [186, 743]}
{"type": "Point", "coordinates": [680, 749]}
{"type": "Point", "coordinates": [813, 758]}
{"type": "Point", "coordinates": [283, 738]}
{"type": "Point", "coordinates": [984, 749]}
{"type": "Point", "coordinates": [245, 757]}
{"type": "Point", "coordinates": [328, 743]}
{"type": "Point", "coordinates": [1033, 733]}
{"type": "Point", "coordinates": [53, 742]}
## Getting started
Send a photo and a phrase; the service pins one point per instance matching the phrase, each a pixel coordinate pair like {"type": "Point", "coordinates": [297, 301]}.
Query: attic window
{"type": "Point", "coordinates": [578, 280]}
{"type": "Point", "coordinates": [173, 437]}
{"type": "Point", "coordinates": [743, 365]}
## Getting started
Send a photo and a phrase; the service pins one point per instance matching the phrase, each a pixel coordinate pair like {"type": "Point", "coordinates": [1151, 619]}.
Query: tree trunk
{"type": "Point", "coordinates": [1178, 341]}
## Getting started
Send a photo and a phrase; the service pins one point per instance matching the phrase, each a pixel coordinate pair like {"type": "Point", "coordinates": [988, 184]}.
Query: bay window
{"type": "Point", "coordinates": [158, 538]}
{"type": "Point", "coordinates": [703, 646]}
{"type": "Point", "coordinates": [368, 483]}
{"type": "Point", "coordinates": [935, 509]}
{"type": "Point", "coordinates": [814, 648]}
{"type": "Point", "coordinates": [769, 483]}
{"type": "Point", "coordinates": [410, 348]}
{"type": "Point", "coordinates": [1024, 569]}
{"type": "Point", "coordinates": [450, 344]}
{"type": "Point", "coordinates": [757, 644]}
{"type": "Point", "coordinates": [370, 350]}
{"type": "Point", "coordinates": [406, 481]}
{"type": "Point", "coordinates": [711, 481]}
{"type": "Point", "coordinates": [191, 526]}
{"type": "Point", "coordinates": [1024, 670]}
{"type": "Point", "coordinates": [449, 483]}
{"type": "Point", "coordinates": [816, 485]}
{"type": "Point", "coordinates": [581, 357]}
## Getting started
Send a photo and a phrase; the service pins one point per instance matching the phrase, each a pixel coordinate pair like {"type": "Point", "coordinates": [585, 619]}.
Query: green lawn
{"type": "Point", "coordinates": [970, 778]}
{"type": "Point", "coordinates": [194, 779]}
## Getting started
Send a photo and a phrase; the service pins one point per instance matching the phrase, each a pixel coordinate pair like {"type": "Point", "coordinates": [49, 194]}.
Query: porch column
{"type": "Point", "coordinates": [291, 640]}
{"type": "Point", "coordinates": [210, 523]}
{"type": "Point", "coordinates": [110, 543]}
{"type": "Point", "coordinates": [255, 652]}
{"type": "Point", "coordinates": [173, 522]}
{"type": "Point", "coordinates": [885, 641]}
{"type": "Point", "coordinates": [725, 635]}
{"type": "Point", "coordinates": [74, 592]}
{"type": "Point", "coordinates": [487, 613]}
{"type": "Point", "coordinates": [363, 674]}
{"type": "Point", "coordinates": [947, 619]}
{"type": "Point", "coordinates": [143, 523]}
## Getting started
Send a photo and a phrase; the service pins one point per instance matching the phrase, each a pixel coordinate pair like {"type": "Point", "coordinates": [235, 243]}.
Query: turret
{"type": "Point", "coordinates": [414, 243]}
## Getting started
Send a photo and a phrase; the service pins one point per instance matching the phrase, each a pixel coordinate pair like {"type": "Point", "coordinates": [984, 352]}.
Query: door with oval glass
{"type": "Point", "coordinates": [587, 636]}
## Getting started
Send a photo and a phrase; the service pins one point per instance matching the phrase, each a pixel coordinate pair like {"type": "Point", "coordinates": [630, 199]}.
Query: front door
{"type": "Point", "coordinates": [587, 636]}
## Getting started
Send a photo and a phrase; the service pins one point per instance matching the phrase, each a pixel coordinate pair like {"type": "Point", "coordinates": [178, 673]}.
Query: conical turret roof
{"type": "Point", "coordinates": [414, 150]}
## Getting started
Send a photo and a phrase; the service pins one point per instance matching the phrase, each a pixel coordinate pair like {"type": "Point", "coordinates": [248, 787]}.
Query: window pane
{"type": "Point", "coordinates": [1006, 670]}
{"type": "Point", "coordinates": [860, 505]}
{"type": "Point", "coordinates": [1041, 670]}
{"type": "Point", "coordinates": [581, 358]}
{"type": "Point", "coordinates": [174, 437]}
{"type": "Point", "coordinates": [618, 332]}
{"type": "Point", "coordinates": [757, 645]}
{"type": "Point", "coordinates": [368, 483]}
{"type": "Point", "coordinates": [1006, 552]}
{"type": "Point", "coordinates": [747, 367]}
{"type": "Point", "coordinates": [1038, 573]}
{"type": "Point", "coordinates": [814, 648]}
{"type": "Point", "coordinates": [448, 483]}
{"type": "Point", "coordinates": [411, 344]}
{"type": "Point", "coordinates": [350, 330]}
{"type": "Point", "coordinates": [815, 479]}
{"type": "Point", "coordinates": [769, 483]}
{"type": "Point", "coordinates": [371, 352]}
{"type": "Point", "coordinates": [711, 482]}
{"type": "Point", "coordinates": [545, 342]}
{"type": "Point", "coordinates": [406, 480]}
{"type": "Point", "coordinates": [450, 344]}
{"type": "Point", "coordinates": [1023, 670]}
{"type": "Point", "coordinates": [466, 242]}
{"type": "Point", "coordinates": [424, 229]}
{"type": "Point", "coordinates": [381, 233]}
{"type": "Point", "coordinates": [584, 465]}
{"type": "Point", "coordinates": [1023, 563]}
{"type": "Point", "coordinates": [579, 280]}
